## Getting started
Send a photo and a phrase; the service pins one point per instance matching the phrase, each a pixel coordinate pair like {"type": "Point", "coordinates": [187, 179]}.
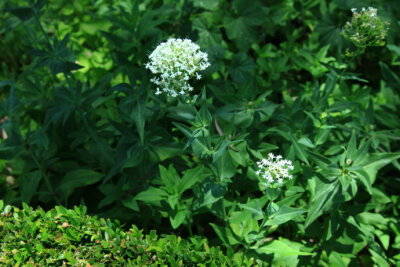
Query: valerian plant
{"type": "Point", "coordinates": [81, 121]}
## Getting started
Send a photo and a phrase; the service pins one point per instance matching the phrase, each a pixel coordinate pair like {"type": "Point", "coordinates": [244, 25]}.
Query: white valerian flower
{"type": "Point", "coordinates": [366, 28]}
{"type": "Point", "coordinates": [274, 169]}
{"type": "Point", "coordinates": [176, 61]}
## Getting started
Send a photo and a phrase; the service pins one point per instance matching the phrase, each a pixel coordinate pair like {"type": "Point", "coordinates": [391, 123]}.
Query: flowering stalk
{"type": "Point", "coordinates": [176, 61]}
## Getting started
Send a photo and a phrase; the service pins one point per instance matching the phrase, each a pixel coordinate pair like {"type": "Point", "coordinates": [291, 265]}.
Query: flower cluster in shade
{"type": "Point", "coordinates": [366, 28]}
{"type": "Point", "coordinates": [274, 169]}
{"type": "Point", "coordinates": [175, 62]}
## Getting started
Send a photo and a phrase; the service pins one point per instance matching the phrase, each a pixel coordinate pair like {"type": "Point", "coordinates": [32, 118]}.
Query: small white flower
{"type": "Point", "coordinates": [275, 169]}
{"type": "Point", "coordinates": [176, 61]}
{"type": "Point", "coordinates": [353, 10]}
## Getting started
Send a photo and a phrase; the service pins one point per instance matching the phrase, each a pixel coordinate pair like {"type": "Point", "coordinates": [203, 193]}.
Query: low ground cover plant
{"type": "Point", "coordinates": [271, 129]}
{"type": "Point", "coordinates": [61, 237]}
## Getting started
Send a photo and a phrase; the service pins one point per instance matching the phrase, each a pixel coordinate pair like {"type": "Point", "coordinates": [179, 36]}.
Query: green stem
{"type": "Point", "coordinates": [190, 229]}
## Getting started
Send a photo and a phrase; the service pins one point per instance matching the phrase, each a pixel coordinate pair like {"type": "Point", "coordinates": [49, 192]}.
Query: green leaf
{"type": "Point", "coordinates": [375, 162]}
{"type": "Point", "coordinates": [306, 141]}
{"type": "Point", "coordinates": [138, 117]}
{"type": "Point", "coordinates": [78, 178]}
{"type": "Point", "coordinates": [283, 248]}
{"type": "Point", "coordinates": [211, 5]}
{"type": "Point", "coordinates": [242, 223]}
{"type": "Point", "coordinates": [225, 167]}
{"type": "Point", "coordinates": [169, 177]}
{"type": "Point", "coordinates": [241, 156]}
{"type": "Point", "coordinates": [210, 193]}
{"type": "Point", "coordinates": [352, 147]}
{"type": "Point", "coordinates": [371, 218]}
{"type": "Point", "coordinates": [239, 27]}
{"type": "Point", "coordinates": [283, 215]}
{"type": "Point", "coordinates": [112, 194]}
{"type": "Point", "coordinates": [379, 196]}
{"type": "Point", "coordinates": [391, 77]}
{"type": "Point", "coordinates": [190, 178]}
{"type": "Point", "coordinates": [207, 37]}
{"type": "Point", "coordinates": [173, 200]}
{"type": "Point", "coordinates": [204, 115]}
{"type": "Point", "coordinates": [221, 150]}
{"type": "Point", "coordinates": [61, 210]}
{"type": "Point", "coordinates": [131, 204]}
{"type": "Point", "coordinates": [256, 207]}
{"type": "Point", "coordinates": [266, 109]}
{"type": "Point", "coordinates": [29, 185]}
{"type": "Point", "coordinates": [168, 150]}
{"type": "Point", "coordinates": [226, 235]}
{"type": "Point", "coordinates": [378, 258]}
{"type": "Point", "coordinates": [152, 194]}
{"type": "Point", "coordinates": [59, 66]}
{"type": "Point", "coordinates": [192, 138]}
{"type": "Point", "coordinates": [177, 217]}
{"type": "Point", "coordinates": [384, 238]}
{"type": "Point", "coordinates": [364, 179]}
{"type": "Point", "coordinates": [240, 67]}
{"type": "Point", "coordinates": [326, 196]}
{"type": "Point", "coordinates": [298, 150]}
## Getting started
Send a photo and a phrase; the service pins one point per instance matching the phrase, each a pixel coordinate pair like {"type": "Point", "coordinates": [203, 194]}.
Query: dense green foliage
{"type": "Point", "coordinates": [70, 237]}
{"type": "Point", "coordinates": [81, 124]}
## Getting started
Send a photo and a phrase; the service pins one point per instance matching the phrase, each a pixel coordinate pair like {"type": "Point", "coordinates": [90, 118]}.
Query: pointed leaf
{"type": "Point", "coordinates": [300, 153]}
{"type": "Point", "coordinates": [152, 194]}
{"type": "Point", "coordinates": [377, 161]}
{"type": "Point", "coordinates": [190, 178]}
{"type": "Point", "coordinates": [325, 197]}
{"type": "Point", "coordinates": [282, 249]}
{"type": "Point", "coordinates": [283, 215]}
{"type": "Point", "coordinates": [364, 179]}
{"type": "Point", "coordinates": [169, 177]}
{"type": "Point", "coordinates": [225, 234]}
{"type": "Point", "coordinates": [177, 217]}
{"type": "Point", "coordinates": [78, 178]}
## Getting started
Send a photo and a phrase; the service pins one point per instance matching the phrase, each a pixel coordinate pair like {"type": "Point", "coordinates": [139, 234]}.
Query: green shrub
{"type": "Point", "coordinates": [60, 236]}
{"type": "Point", "coordinates": [82, 123]}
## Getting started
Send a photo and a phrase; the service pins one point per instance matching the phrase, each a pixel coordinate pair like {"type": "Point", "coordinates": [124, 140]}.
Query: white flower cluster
{"type": "Point", "coordinates": [176, 61]}
{"type": "Point", "coordinates": [274, 169]}
{"type": "Point", "coordinates": [370, 11]}
{"type": "Point", "coordinates": [366, 28]}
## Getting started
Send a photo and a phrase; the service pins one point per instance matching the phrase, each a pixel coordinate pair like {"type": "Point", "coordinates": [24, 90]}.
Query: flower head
{"type": "Point", "coordinates": [366, 28]}
{"type": "Point", "coordinates": [176, 61]}
{"type": "Point", "coordinates": [274, 169]}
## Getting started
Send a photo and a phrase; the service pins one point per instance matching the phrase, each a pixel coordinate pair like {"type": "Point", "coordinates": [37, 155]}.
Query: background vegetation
{"type": "Point", "coordinates": [81, 125]}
